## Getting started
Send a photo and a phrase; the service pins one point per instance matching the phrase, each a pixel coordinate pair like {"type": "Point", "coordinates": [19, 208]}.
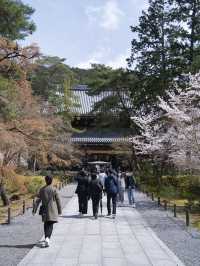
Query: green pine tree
{"type": "Point", "coordinates": [167, 44]}
{"type": "Point", "coordinates": [15, 19]}
{"type": "Point", "coordinates": [186, 14]}
{"type": "Point", "coordinates": [153, 49]}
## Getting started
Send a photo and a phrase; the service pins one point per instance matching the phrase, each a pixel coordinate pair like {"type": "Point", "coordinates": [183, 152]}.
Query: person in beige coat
{"type": "Point", "coordinates": [50, 208]}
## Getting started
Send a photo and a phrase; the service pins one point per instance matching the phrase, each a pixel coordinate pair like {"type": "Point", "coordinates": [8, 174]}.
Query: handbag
{"type": "Point", "coordinates": [42, 210]}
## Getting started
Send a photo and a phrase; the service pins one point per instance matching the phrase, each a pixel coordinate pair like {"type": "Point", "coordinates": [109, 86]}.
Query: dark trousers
{"type": "Point", "coordinates": [95, 205]}
{"type": "Point", "coordinates": [83, 203]}
{"type": "Point", "coordinates": [114, 203]}
{"type": "Point", "coordinates": [48, 229]}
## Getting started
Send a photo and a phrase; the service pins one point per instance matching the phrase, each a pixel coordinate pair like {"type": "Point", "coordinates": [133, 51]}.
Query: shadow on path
{"type": "Point", "coordinates": [76, 216]}
{"type": "Point", "coordinates": [30, 246]}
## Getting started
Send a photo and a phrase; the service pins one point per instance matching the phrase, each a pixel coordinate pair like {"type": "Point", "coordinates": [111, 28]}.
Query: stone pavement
{"type": "Point", "coordinates": [125, 241]}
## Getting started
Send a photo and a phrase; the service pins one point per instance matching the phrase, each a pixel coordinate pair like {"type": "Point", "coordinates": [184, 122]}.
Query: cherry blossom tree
{"type": "Point", "coordinates": [182, 110]}
{"type": "Point", "coordinates": [153, 144]}
{"type": "Point", "coordinates": [171, 134]}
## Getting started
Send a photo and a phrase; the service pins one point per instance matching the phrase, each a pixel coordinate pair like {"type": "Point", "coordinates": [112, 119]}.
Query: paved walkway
{"type": "Point", "coordinates": [125, 241]}
{"type": "Point", "coordinates": [18, 238]}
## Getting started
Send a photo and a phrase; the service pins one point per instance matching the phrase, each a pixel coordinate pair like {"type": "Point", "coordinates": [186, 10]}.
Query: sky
{"type": "Point", "coordinates": [86, 31]}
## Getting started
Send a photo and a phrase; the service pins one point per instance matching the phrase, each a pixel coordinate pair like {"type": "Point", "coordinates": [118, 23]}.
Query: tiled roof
{"type": "Point", "coordinates": [84, 103]}
{"type": "Point", "coordinates": [101, 136]}
{"type": "Point", "coordinates": [99, 140]}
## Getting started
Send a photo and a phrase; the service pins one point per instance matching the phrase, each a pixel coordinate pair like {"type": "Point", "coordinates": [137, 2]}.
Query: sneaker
{"type": "Point", "coordinates": [96, 216]}
{"type": "Point", "coordinates": [80, 214]}
{"type": "Point", "coordinates": [113, 216]}
{"type": "Point", "coordinates": [47, 240]}
{"type": "Point", "coordinates": [109, 214]}
{"type": "Point", "coordinates": [40, 241]}
{"type": "Point", "coordinates": [134, 205]}
{"type": "Point", "coordinates": [45, 244]}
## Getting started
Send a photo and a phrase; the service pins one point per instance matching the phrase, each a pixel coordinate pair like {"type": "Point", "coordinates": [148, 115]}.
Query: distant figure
{"type": "Point", "coordinates": [122, 187]}
{"type": "Point", "coordinates": [111, 188]}
{"type": "Point", "coordinates": [102, 176]}
{"type": "Point", "coordinates": [50, 208]}
{"type": "Point", "coordinates": [82, 191]}
{"type": "Point", "coordinates": [130, 186]}
{"type": "Point", "coordinates": [95, 189]}
{"type": "Point", "coordinates": [98, 168]}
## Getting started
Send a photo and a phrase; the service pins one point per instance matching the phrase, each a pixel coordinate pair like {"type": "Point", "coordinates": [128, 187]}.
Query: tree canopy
{"type": "Point", "coordinates": [49, 76]}
{"type": "Point", "coordinates": [15, 19]}
{"type": "Point", "coordinates": [166, 44]}
{"type": "Point", "coordinates": [118, 88]}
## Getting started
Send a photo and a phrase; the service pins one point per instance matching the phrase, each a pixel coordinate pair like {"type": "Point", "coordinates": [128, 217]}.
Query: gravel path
{"type": "Point", "coordinates": [184, 242]}
{"type": "Point", "coordinates": [18, 238]}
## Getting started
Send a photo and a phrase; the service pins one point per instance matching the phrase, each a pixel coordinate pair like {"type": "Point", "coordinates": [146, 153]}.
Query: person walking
{"type": "Point", "coordinates": [102, 176]}
{"type": "Point", "coordinates": [111, 188]}
{"type": "Point", "coordinates": [50, 208]}
{"type": "Point", "coordinates": [122, 187]}
{"type": "Point", "coordinates": [130, 186]}
{"type": "Point", "coordinates": [95, 189]}
{"type": "Point", "coordinates": [82, 191]}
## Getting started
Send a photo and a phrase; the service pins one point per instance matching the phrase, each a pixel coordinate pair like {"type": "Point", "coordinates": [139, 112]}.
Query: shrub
{"type": "Point", "coordinates": [34, 183]}
{"type": "Point", "coordinates": [169, 192]}
{"type": "Point", "coordinates": [169, 181]}
{"type": "Point", "coordinates": [15, 184]}
{"type": "Point", "coordinates": [185, 186]}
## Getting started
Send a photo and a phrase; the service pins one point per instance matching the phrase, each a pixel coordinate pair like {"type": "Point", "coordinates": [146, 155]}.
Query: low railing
{"type": "Point", "coordinates": [19, 207]}
{"type": "Point", "coordinates": [184, 211]}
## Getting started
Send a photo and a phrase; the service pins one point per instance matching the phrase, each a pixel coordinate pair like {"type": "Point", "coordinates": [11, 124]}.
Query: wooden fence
{"type": "Point", "coordinates": [19, 207]}
{"type": "Point", "coordinates": [176, 209]}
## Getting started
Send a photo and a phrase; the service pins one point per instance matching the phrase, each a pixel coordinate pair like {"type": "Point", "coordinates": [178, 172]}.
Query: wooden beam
{"type": "Point", "coordinates": [107, 152]}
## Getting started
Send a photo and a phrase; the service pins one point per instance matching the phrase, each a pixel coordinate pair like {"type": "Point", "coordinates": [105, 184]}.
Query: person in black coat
{"type": "Point", "coordinates": [82, 191]}
{"type": "Point", "coordinates": [130, 187]}
{"type": "Point", "coordinates": [95, 189]}
{"type": "Point", "coordinates": [112, 189]}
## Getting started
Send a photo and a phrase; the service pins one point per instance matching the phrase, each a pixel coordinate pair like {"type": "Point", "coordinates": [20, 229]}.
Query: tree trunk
{"type": "Point", "coordinates": [163, 51]}
{"type": "Point", "coordinates": [3, 195]}
{"type": "Point", "coordinates": [157, 176]}
{"type": "Point", "coordinates": [135, 163]}
{"type": "Point", "coordinates": [192, 34]}
{"type": "Point", "coordinates": [34, 164]}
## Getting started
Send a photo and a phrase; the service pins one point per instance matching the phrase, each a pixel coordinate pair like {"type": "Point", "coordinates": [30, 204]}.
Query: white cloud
{"type": "Point", "coordinates": [141, 4]}
{"type": "Point", "coordinates": [107, 16]}
{"type": "Point", "coordinates": [49, 4]}
{"type": "Point", "coordinates": [87, 64]}
{"type": "Point", "coordinates": [99, 56]}
{"type": "Point", "coordinates": [95, 58]}
{"type": "Point", "coordinates": [119, 61]}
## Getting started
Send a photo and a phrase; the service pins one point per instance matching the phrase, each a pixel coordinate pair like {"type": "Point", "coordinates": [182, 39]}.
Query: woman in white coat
{"type": "Point", "coordinates": [121, 182]}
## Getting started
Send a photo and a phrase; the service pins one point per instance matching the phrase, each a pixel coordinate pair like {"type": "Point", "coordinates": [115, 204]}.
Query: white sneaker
{"type": "Point", "coordinates": [47, 240]}
{"type": "Point", "coordinates": [41, 241]}
{"type": "Point", "coordinates": [45, 244]}
{"type": "Point", "coordinates": [134, 206]}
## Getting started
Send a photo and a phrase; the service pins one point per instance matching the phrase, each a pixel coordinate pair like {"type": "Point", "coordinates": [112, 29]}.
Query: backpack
{"type": "Point", "coordinates": [112, 187]}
